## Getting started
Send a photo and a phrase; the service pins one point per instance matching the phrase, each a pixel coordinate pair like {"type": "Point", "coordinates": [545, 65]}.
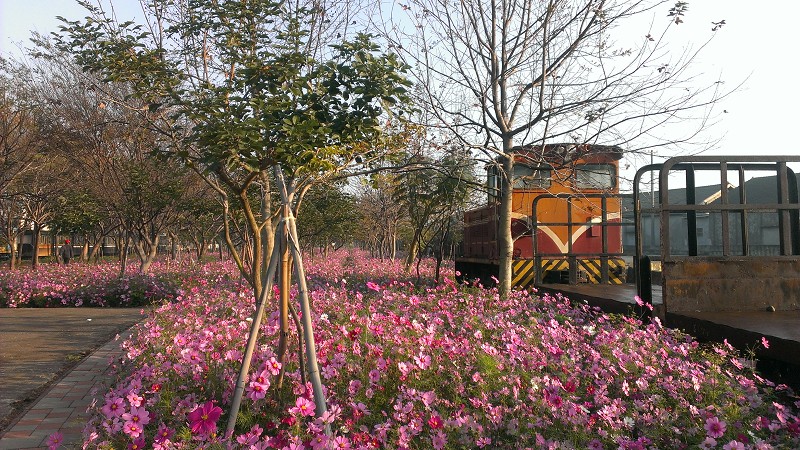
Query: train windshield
{"type": "Point", "coordinates": [595, 176]}
{"type": "Point", "coordinates": [527, 177]}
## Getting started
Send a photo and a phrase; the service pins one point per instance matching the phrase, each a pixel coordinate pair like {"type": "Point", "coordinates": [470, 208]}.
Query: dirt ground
{"type": "Point", "coordinates": [39, 345]}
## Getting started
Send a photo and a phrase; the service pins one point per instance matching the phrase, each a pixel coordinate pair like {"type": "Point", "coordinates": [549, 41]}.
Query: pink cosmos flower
{"type": "Point", "coordinates": [135, 399]}
{"type": "Point", "coordinates": [374, 376]}
{"type": "Point", "coordinates": [709, 442]}
{"type": "Point", "coordinates": [404, 368]}
{"type": "Point", "coordinates": [373, 286]}
{"type": "Point", "coordinates": [641, 302]}
{"type": "Point", "coordinates": [715, 427]}
{"type": "Point", "coordinates": [764, 342]}
{"type": "Point", "coordinates": [251, 437]}
{"type": "Point", "coordinates": [423, 361]}
{"type": "Point", "coordinates": [428, 398]}
{"type": "Point", "coordinates": [332, 414]}
{"type": "Point", "coordinates": [274, 366]}
{"type": "Point", "coordinates": [203, 419]}
{"type": "Point", "coordinates": [257, 388]}
{"type": "Point", "coordinates": [733, 445]}
{"type": "Point", "coordinates": [163, 434]}
{"type": "Point", "coordinates": [132, 429]}
{"type": "Point", "coordinates": [55, 440]}
{"type": "Point", "coordinates": [114, 407]}
{"type": "Point", "coordinates": [439, 440]}
{"type": "Point", "coordinates": [341, 442]}
{"type": "Point", "coordinates": [137, 415]}
{"type": "Point", "coordinates": [320, 442]}
{"type": "Point", "coordinates": [303, 406]}
{"type": "Point", "coordinates": [137, 444]}
{"type": "Point", "coordinates": [354, 386]}
{"type": "Point", "coordinates": [435, 422]}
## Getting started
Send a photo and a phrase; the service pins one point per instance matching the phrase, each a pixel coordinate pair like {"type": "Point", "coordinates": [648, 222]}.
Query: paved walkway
{"type": "Point", "coordinates": [63, 407]}
{"type": "Point", "coordinates": [47, 381]}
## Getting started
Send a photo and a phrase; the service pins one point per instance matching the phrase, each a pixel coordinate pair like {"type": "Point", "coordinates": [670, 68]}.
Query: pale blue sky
{"type": "Point", "coordinates": [757, 42]}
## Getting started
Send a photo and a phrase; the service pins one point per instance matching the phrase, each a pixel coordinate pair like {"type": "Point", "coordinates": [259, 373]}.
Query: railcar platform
{"type": "Point", "coordinates": [743, 330]}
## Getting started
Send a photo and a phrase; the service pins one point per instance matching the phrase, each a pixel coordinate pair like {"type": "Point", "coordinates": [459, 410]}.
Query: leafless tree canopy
{"type": "Point", "coordinates": [556, 71]}
{"type": "Point", "coordinates": [506, 73]}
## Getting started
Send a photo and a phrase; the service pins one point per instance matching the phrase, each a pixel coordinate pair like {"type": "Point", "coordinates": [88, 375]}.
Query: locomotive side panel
{"type": "Point", "coordinates": [547, 227]}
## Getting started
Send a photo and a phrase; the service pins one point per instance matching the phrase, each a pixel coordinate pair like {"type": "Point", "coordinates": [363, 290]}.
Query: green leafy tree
{"type": "Point", "coordinates": [431, 195]}
{"type": "Point", "coordinates": [243, 92]}
{"type": "Point", "coordinates": [329, 217]}
{"type": "Point", "coordinates": [77, 213]}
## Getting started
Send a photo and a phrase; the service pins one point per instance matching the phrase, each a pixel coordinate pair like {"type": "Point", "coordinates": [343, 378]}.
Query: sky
{"type": "Point", "coordinates": [754, 47]}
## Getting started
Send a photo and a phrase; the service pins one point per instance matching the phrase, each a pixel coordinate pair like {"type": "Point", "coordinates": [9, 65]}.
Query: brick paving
{"type": "Point", "coordinates": [63, 407]}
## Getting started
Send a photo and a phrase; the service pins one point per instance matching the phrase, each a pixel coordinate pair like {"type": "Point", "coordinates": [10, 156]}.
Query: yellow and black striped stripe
{"type": "Point", "coordinates": [524, 270]}
{"type": "Point", "coordinates": [593, 268]}
{"type": "Point", "coordinates": [523, 273]}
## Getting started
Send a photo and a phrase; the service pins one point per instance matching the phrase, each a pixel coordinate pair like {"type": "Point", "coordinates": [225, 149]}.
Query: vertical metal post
{"type": "Point", "coordinates": [744, 219]}
{"type": "Point", "coordinates": [645, 288]}
{"type": "Point", "coordinates": [537, 259]}
{"type": "Point", "coordinates": [783, 214]}
{"type": "Point", "coordinates": [723, 189]}
{"type": "Point", "coordinates": [573, 263]}
{"type": "Point", "coordinates": [794, 214]}
{"type": "Point", "coordinates": [604, 237]}
{"type": "Point", "coordinates": [691, 216]}
{"type": "Point", "coordinates": [663, 194]}
{"type": "Point", "coordinates": [637, 230]}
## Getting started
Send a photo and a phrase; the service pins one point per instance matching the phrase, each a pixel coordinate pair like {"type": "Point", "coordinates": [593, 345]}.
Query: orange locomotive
{"type": "Point", "coordinates": [565, 221]}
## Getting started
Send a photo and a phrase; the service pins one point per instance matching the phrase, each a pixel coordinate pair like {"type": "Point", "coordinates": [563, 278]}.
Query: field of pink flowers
{"type": "Point", "coordinates": [55, 285]}
{"type": "Point", "coordinates": [444, 367]}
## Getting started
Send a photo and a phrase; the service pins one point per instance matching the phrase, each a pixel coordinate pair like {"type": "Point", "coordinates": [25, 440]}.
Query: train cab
{"type": "Point", "coordinates": [566, 213]}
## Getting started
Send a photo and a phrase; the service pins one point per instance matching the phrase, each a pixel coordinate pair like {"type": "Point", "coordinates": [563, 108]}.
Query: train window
{"type": "Point", "coordinates": [492, 183]}
{"type": "Point", "coordinates": [527, 177]}
{"type": "Point", "coordinates": [595, 176]}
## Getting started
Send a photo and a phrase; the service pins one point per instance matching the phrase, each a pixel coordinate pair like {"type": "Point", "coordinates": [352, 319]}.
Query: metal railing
{"type": "Point", "coordinates": [604, 224]}
{"type": "Point", "coordinates": [722, 209]}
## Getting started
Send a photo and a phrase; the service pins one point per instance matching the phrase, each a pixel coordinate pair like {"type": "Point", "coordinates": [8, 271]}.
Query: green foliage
{"type": "Point", "coordinates": [328, 215]}
{"type": "Point", "coordinates": [77, 212]}
{"type": "Point", "coordinates": [250, 95]}
{"type": "Point", "coordinates": [431, 196]}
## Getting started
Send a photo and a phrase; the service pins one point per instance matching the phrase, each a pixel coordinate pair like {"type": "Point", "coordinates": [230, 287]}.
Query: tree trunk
{"type": "Point", "coordinates": [12, 262]}
{"type": "Point", "coordinates": [201, 249]}
{"type": "Point", "coordinates": [173, 246]}
{"type": "Point", "coordinates": [123, 255]}
{"type": "Point", "coordinates": [19, 254]}
{"type": "Point", "coordinates": [505, 244]}
{"type": "Point", "coordinates": [95, 254]}
{"type": "Point", "coordinates": [147, 253]}
{"type": "Point", "coordinates": [413, 250]}
{"type": "Point", "coordinates": [35, 244]}
{"type": "Point", "coordinates": [84, 248]}
{"type": "Point", "coordinates": [394, 242]}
